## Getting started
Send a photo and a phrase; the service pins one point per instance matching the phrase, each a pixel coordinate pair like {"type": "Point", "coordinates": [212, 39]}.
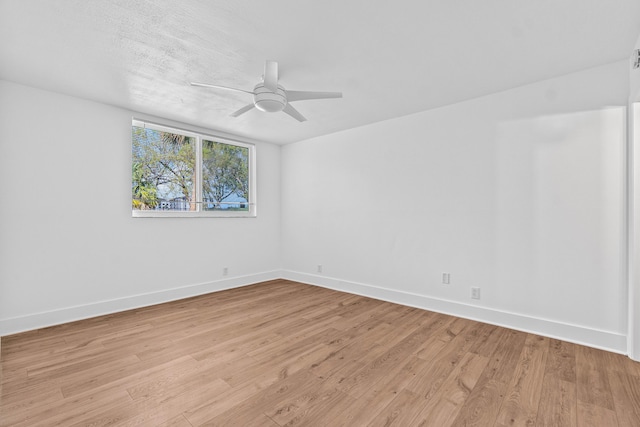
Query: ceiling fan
{"type": "Point", "coordinates": [271, 97]}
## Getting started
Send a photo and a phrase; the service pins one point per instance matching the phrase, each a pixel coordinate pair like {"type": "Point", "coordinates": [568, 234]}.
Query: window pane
{"type": "Point", "coordinates": [163, 169]}
{"type": "Point", "coordinates": [225, 177]}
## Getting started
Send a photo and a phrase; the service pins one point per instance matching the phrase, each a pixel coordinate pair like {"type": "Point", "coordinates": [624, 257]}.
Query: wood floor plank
{"type": "Point", "coordinates": [590, 415]}
{"type": "Point", "coordinates": [485, 400]}
{"type": "Point", "coordinates": [444, 406]}
{"type": "Point", "coordinates": [620, 363]}
{"type": "Point", "coordinates": [78, 382]}
{"type": "Point", "coordinates": [366, 409]}
{"type": "Point", "coordinates": [485, 343]}
{"type": "Point", "coordinates": [179, 421]}
{"type": "Point", "coordinates": [592, 378]}
{"type": "Point", "coordinates": [442, 361]}
{"type": "Point", "coordinates": [180, 377]}
{"type": "Point", "coordinates": [19, 410]}
{"type": "Point", "coordinates": [288, 389]}
{"type": "Point", "coordinates": [70, 411]}
{"type": "Point", "coordinates": [309, 407]}
{"type": "Point", "coordinates": [520, 406]}
{"type": "Point", "coordinates": [290, 360]}
{"type": "Point", "coordinates": [561, 362]}
{"type": "Point", "coordinates": [189, 394]}
{"type": "Point", "coordinates": [282, 353]}
{"type": "Point", "coordinates": [399, 411]}
{"type": "Point", "coordinates": [222, 403]}
{"type": "Point", "coordinates": [626, 393]}
{"type": "Point", "coordinates": [350, 358]}
{"type": "Point", "coordinates": [558, 403]}
{"type": "Point", "coordinates": [388, 363]}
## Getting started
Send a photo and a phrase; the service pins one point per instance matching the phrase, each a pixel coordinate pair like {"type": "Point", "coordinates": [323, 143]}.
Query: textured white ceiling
{"type": "Point", "coordinates": [388, 58]}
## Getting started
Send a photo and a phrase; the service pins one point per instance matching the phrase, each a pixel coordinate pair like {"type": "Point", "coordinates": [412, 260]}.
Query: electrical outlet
{"type": "Point", "coordinates": [225, 271]}
{"type": "Point", "coordinates": [475, 293]}
{"type": "Point", "coordinates": [446, 278]}
{"type": "Point", "coordinates": [319, 268]}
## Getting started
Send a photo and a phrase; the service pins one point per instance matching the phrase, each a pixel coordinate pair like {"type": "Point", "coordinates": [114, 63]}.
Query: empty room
{"type": "Point", "coordinates": [319, 213]}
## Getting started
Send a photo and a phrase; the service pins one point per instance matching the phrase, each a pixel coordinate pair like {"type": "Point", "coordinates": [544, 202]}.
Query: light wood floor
{"type": "Point", "coordinates": [283, 353]}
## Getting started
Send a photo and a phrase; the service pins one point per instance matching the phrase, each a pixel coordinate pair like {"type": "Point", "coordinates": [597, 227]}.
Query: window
{"type": "Point", "coordinates": [182, 173]}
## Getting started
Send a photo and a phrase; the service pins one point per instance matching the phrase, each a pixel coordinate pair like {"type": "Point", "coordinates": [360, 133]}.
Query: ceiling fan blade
{"type": "Point", "coordinates": [294, 113]}
{"type": "Point", "coordinates": [300, 95]}
{"type": "Point", "coordinates": [242, 110]}
{"type": "Point", "coordinates": [271, 75]}
{"type": "Point", "coordinates": [220, 87]}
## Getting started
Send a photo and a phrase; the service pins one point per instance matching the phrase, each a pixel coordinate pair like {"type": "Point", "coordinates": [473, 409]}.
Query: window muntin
{"type": "Point", "coordinates": [183, 173]}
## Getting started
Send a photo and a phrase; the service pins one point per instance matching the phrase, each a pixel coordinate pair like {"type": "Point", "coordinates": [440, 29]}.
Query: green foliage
{"type": "Point", "coordinates": [145, 194]}
{"type": "Point", "coordinates": [164, 167]}
{"type": "Point", "coordinates": [225, 172]}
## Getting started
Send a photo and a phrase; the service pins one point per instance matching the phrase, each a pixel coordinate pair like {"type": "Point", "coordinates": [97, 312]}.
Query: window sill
{"type": "Point", "coordinates": [189, 214]}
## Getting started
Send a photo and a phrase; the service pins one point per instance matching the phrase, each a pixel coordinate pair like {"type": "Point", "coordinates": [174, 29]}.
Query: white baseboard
{"type": "Point", "coordinates": [604, 340]}
{"type": "Point", "coordinates": [582, 335]}
{"type": "Point", "coordinates": [70, 314]}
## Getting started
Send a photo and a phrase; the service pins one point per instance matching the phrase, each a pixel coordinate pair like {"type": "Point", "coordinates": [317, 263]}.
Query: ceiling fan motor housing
{"type": "Point", "coordinates": [270, 102]}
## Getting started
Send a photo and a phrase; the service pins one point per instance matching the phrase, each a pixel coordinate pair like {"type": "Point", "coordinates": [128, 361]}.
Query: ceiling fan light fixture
{"type": "Point", "coordinates": [267, 101]}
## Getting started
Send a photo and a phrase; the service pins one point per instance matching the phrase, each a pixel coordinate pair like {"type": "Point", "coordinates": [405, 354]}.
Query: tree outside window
{"type": "Point", "coordinates": [175, 171]}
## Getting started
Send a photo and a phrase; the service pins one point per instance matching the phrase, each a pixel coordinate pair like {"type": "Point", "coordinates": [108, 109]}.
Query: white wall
{"type": "Point", "coordinates": [634, 271]}
{"type": "Point", "coordinates": [633, 338]}
{"type": "Point", "coordinates": [635, 77]}
{"type": "Point", "coordinates": [520, 193]}
{"type": "Point", "coordinates": [633, 341]}
{"type": "Point", "coordinates": [69, 247]}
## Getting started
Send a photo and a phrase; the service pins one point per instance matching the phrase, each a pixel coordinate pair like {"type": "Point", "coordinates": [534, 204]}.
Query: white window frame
{"type": "Point", "coordinates": [199, 212]}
